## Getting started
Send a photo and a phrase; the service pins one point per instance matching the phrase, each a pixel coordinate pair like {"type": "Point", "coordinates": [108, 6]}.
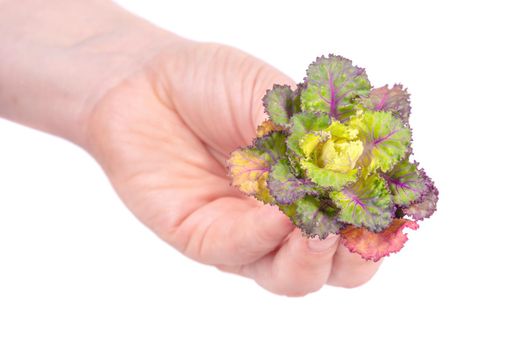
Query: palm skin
{"type": "Point", "coordinates": [163, 134]}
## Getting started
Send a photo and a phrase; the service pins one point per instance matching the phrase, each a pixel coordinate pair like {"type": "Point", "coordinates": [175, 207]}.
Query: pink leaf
{"type": "Point", "coordinates": [374, 246]}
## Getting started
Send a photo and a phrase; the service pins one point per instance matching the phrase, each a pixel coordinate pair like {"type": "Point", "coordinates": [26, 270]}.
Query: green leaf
{"type": "Point", "coordinates": [405, 183]}
{"type": "Point", "coordinates": [315, 218]}
{"type": "Point", "coordinates": [385, 140]}
{"type": "Point", "coordinates": [365, 203]}
{"type": "Point", "coordinates": [326, 177]}
{"type": "Point", "coordinates": [333, 84]}
{"type": "Point", "coordinates": [273, 144]}
{"type": "Point", "coordinates": [280, 103]}
{"type": "Point", "coordinates": [285, 187]}
{"type": "Point", "coordinates": [302, 124]}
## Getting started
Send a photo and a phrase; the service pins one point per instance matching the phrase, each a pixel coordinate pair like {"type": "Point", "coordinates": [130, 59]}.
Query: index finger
{"type": "Point", "coordinates": [231, 231]}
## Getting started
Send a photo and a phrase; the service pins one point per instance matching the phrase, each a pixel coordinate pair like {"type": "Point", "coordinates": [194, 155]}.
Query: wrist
{"type": "Point", "coordinates": [55, 68]}
{"type": "Point", "coordinates": [107, 60]}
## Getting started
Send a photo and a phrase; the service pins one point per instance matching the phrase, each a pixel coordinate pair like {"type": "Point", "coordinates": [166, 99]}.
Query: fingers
{"type": "Point", "coordinates": [349, 270]}
{"type": "Point", "coordinates": [299, 267]}
{"type": "Point", "coordinates": [231, 231]}
{"type": "Point", "coordinates": [217, 91]}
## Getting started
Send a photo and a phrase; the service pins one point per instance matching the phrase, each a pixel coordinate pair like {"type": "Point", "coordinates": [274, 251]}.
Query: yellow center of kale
{"type": "Point", "coordinates": [334, 148]}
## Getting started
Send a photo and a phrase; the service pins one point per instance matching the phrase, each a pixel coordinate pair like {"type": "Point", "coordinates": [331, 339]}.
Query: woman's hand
{"type": "Point", "coordinates": [161, 115]}
{"type": "Point", "coordinates": [163, 135]}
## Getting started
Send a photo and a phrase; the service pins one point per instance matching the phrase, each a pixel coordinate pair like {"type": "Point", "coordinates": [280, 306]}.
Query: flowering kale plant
{"type": "Point", "coordinates": [334, 156]}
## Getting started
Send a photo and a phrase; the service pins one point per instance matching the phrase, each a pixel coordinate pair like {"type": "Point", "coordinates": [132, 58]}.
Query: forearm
{"type": "Point", "coordinates": [57, 57]}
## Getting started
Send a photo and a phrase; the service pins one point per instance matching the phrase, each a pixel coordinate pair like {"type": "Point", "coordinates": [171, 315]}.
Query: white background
{"type": "Point", "coordinates": [77, 271]}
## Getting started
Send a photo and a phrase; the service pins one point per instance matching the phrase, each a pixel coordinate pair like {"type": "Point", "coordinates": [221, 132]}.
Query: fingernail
{"type": "Point", "coordinates": [320, 245]}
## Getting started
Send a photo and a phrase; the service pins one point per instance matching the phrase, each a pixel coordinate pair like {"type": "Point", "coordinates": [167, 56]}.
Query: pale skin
{"type": "Point", "coordinates": [160, 114]}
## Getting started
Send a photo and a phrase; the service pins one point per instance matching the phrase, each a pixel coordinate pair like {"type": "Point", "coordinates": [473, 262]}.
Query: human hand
{"type": "Point", "coordinates": [161, 115]}
{"type": "Point", "coordinates": [163, 135]}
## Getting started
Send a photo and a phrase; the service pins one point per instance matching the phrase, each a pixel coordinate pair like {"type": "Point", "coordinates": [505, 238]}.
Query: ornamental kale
{"type": "Point", "coordinates": [334, 157]}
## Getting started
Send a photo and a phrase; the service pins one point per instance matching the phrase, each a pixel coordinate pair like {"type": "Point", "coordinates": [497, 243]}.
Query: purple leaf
{"type": "Point", "coordinates": [395, 100]}
{"type": "Point", "coordinates": [333, 84]}
{"type": "Point", "coordinates": [285, 187]}
{"type": "Point", "coordinates": [405, 183]}
{"type": "Point", "coordinates": [314, 218]}
{"type": "Point", "coordinates": [280, 103]}
{"type": "Point", "coordinates": [427, 204]}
